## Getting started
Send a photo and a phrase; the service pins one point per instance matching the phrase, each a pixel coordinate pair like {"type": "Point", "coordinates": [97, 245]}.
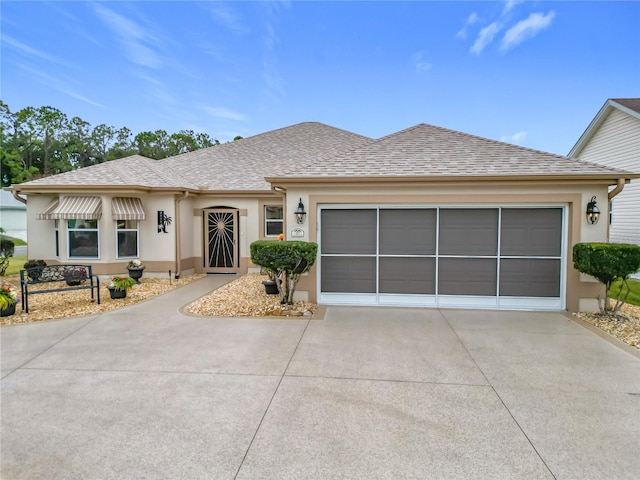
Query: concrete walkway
{"type": "Point", "coordinates": [366, 393]}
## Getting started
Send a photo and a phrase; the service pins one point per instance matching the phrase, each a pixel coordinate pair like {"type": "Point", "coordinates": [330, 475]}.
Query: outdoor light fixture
{"type": "Point", "coordinates": [593, 212]}
{"type": "Point", "coordinates": [300, 213]}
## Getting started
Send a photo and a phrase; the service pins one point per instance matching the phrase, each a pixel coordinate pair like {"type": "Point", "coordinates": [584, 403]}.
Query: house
{"type": "Point", "coordinates": [613, 139]}
{"type": "Point", "coordinates": [422, 217]}
{"type": "Point", "coordinates": [13, 216]}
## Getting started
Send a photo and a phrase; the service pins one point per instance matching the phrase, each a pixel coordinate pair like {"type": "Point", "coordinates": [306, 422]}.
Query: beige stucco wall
{"type": "Point", "coordinates": [157, 250]}
{"type": "Point", "coordinates": [580, 291]}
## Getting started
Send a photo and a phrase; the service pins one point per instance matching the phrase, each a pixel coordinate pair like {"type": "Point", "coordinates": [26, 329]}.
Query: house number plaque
{"type": "Point", "coordinates": [297, 233]}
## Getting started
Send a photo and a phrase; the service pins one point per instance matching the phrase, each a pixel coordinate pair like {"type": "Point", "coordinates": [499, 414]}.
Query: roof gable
{"type": "Point", "coordinates": [630, 106]}
{"type": "Point", "coordinates": [244, 164]}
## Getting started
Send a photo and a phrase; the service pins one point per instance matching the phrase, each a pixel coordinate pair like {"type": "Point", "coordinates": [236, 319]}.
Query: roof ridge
{"type": "Point", "coordinates": [489, 140]}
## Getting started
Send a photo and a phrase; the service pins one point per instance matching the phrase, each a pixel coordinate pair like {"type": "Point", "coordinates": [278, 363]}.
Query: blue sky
{"type": "Point", "coordinates": [531, 73]}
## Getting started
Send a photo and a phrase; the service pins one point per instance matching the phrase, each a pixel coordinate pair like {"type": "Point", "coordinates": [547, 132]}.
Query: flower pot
{"type": "Point", "coordinates": [270, 288]}
{"type": "Point", "coordinates": [116, 293]}
{"type": "Point", "coordinates": [135, 273]}
{"type": "Point", "coordinates": [10, 310]}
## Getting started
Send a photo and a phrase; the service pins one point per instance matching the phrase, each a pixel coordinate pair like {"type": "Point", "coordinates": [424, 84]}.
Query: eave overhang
{"type": "Point", "coordinates": [600, 179]}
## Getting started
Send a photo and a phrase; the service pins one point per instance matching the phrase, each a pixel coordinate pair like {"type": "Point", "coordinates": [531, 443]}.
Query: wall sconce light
{"type": "Point", "coordinates": [593, 212]}
{"type": "Point", "coordinates": [163, 221]}
{"type": "Point", "coordinates": [300, 213]}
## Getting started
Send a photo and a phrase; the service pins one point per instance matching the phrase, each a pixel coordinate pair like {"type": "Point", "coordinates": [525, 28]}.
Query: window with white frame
{"type": "Point", "coordinates": [83, 238]}
{"type": "Point", "coordinates": [273, 220]}
{"type": "Point", "coordinates": [127, 238]}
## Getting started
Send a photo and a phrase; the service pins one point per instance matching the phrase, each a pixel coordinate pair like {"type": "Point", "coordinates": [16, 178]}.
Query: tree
{"type": "Point", "coordinates": [43, 141]}
{"type": "Point", "coordinates": [285, 261]}
{"type": "Point", "coordinates": [608, 262]}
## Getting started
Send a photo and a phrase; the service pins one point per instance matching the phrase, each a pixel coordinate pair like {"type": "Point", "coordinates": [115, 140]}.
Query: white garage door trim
{"type": "Point", "coordinates": [437, 299]}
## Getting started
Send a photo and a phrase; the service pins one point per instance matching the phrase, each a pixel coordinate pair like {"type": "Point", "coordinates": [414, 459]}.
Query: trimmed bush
{"type": "Point", "coordinates": [284, 261]}
{"type": "Point", "coordinates": [607, 262]}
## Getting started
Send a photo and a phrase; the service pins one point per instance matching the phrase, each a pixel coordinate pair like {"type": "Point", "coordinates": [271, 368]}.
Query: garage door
{"type": "Point", "coordinates": [493, 257]}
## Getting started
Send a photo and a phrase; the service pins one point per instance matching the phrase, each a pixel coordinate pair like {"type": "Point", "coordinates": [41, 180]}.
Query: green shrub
{"type": "Point", "coordinates": [284, 261]}
{"type": "Point", "coordinates": [608, 262]}
{"type": "Point", "coordinates": [7, 247]}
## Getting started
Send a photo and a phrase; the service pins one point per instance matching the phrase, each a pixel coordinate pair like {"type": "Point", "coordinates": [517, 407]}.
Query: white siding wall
{"type": "Point", "coordinates": [617, 144]}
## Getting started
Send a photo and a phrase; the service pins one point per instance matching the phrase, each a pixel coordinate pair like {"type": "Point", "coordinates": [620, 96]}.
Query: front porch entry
{"type": "Point", "coordinates": [221, 240]}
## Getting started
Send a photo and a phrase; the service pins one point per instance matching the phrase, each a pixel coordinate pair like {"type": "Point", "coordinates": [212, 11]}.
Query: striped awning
{"type": "Point", "coordinates": [81, 208]}
{"type": "Point", "coordinates": [47, 212]}
{"type": "Point", "coordinates": [127, 208]}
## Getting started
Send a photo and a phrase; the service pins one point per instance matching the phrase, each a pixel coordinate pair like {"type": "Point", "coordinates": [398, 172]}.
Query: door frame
{"type": "Point", "coordinates": [235, 240]}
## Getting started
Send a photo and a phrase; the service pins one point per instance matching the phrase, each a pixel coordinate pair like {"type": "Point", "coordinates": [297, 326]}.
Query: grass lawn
{"type": "Point", "coordinates": [634, 295]}
{"type": "Point", "coordinates": [16, 241]}
{"type": "Point", "coordinates": [16, 264]}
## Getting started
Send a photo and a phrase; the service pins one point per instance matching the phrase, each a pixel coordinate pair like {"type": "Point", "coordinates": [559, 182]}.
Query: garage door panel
{"type": "Point", "coordinates": [408, 231]}
{"type": "Point", "coordinates": [529, 277]}
{"type": "Point", "coordinates": [467, 276]}
{"type": "Point", "coordinates": [348, 275]}
{"type": "Point", "coordinates": [486, 257]}
{"type": "Point", "coordinates": [349, 231]}
{"type": "Point", "coordinates": [408, 275]}
{"type": "Point", "coordinates": [469, 231]}
{"type": "Point", "coordinates": [531, 232]}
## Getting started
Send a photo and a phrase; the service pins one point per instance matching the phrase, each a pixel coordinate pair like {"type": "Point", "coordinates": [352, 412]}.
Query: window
{"type": "Point", "coordinates": [83, 238]}
{"type": "Point", "coordinates": [127, 241]}
{"type": "Point", "coordinates": [273, 220]}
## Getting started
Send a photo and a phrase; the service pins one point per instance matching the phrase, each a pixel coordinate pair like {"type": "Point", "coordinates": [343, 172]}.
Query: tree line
{"type": "Point", "coordinates": [38, 142]}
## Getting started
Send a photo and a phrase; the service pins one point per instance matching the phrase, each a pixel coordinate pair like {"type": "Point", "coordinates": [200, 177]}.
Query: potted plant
{"type": "Point", "coordinates": [270, 286]}
{"type": "Point", "coordinates": [135, 268]}
{"type": "Point", "coordinates": [34, 268]}
{"type": "Point", "coordinates": [119, 286]}
{"type": "Point", "coordinates": [74, 275]}
{"type": "Point", "coordinates": [8, 300]}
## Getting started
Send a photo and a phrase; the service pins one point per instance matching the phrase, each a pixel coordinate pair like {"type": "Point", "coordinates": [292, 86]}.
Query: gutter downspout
{"type": "Point", "coordinates": [185, 194]}
{"type": "Point", "coordinates": [17, 197]}
{"type": "Point", "coordinates": [619, 187]}
{"type": "Point", "coordinates": [282, 192]}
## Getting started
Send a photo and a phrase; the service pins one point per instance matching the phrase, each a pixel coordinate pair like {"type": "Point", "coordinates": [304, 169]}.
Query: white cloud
{"type": "Point", "coordinates": [30, 51]}
{"type": "Point", "coordinates": [509, 4]}
{"type": "Point", "coordinates": [473, 18]}
{"type": "Point", "coordinates": [419, 62]}
{"type": "Point", "coordinates": [526, 29]}
{"type": "Point", "coordinates": [225, 16]}
{"type": "Point", "coordinates": [138, 43]}
{"type": "Point", "coordinates": [58, 83]}
{"type": "Point", "coordinates": [516, 138]}
{"type": "Point", "coordinates": [221, 112]}
{"type": "Point", "coordinates": [485, 37]}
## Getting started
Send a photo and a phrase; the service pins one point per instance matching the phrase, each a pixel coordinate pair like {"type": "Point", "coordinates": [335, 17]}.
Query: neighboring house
{"type": "Point", "coordinates": [13, 216]}
{"type": "Point", "coordinates": [423, 217]}
{"type": "Point", "coordinates": [613, 139]}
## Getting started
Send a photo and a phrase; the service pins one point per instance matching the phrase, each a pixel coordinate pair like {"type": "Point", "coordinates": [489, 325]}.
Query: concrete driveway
{"type": "Point", "coordinates": [366, 393]}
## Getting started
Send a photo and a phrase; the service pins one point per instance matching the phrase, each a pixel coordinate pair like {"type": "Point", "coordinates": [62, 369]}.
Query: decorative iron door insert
{"type": "Point", "coordinates": [221, 231]}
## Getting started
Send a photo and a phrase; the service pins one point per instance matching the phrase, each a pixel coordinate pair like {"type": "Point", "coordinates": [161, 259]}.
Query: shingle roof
{"type": "Point", "coordinates": [314, 150]}
{"type": "Point", "coordinates": [135, 170]}
{"type": "Point", "coordinates": [630, 103]}
{"type": "Point", "coordinates": [430, 151]}
{"type": "Point", "coordinates": [239, 165]}
{"type": "Point", "coordinates": [244, 164]}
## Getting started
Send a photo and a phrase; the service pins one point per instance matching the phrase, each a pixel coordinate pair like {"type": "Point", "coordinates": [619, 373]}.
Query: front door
{"type": "Point", "coordinates": [221, 240]}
